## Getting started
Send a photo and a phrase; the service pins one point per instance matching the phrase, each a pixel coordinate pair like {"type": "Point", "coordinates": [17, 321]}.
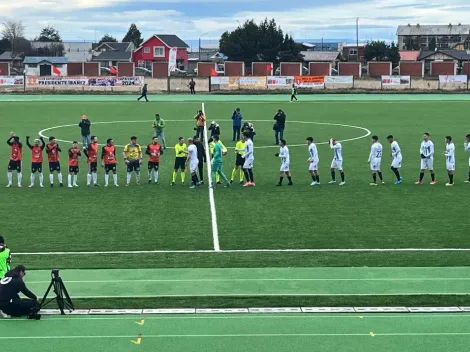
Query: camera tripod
{"type": "Point", "coordinates": [62, 296]}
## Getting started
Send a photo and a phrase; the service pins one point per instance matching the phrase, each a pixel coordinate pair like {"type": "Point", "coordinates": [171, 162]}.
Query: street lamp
{"type": "Point", "coordinates": [203, 34]}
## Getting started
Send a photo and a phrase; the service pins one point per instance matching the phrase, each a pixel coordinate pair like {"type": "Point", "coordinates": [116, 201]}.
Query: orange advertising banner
{"type": "Point", "coordinates": [309, 81]}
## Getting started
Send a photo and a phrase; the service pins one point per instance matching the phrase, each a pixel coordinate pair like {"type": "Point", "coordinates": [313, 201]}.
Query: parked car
{"type": "Point", "coordinates": [143, 71]}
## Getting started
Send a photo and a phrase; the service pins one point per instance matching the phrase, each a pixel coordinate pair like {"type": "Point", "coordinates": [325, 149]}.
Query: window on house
{"type": "Point", "coordinates": [146, 50]}
{"type": "Point", "coordinates": [141, 62]}
{"type": "Point", "coordinates": [352, 51]}
{"type": "Point", "coordinates": [158, 51]}
{"type": "Point", "coordinates": [32, 65]}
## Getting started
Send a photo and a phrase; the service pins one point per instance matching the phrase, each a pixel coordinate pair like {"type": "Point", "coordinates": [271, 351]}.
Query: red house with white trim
{"type": "Point", "coordinates": [157, 49]}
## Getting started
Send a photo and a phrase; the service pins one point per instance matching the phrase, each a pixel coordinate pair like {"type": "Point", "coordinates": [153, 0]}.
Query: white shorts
{"type": "Point", "coordinates": [313, 166]}
{"type": "Point", "coordinates": [193, 167]}
{"type": "Point", "coordinates": [450, 165]}
{"type": "Point", "coordinates": [396, 163]}
{"type": "Point", "coordinates": [427, 164]}
{"type": "Point", "coordinates": [284, 167]}
{"type": "Point", "coordinates": [248, 164]}
{"type": "Point", "coordinates": [337, 164]}
{"type": "Point", "coordinates": [375, 164]}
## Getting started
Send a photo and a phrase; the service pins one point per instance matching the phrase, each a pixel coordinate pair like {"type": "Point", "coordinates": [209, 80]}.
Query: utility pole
{"type": "Point", "coordinates": [357, 37]}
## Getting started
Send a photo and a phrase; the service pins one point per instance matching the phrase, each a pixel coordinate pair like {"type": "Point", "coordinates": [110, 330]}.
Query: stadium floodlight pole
{"type": "Point", "coordinates": [203, 34]}
{"type": "Point", "coordinates": [357, 37]}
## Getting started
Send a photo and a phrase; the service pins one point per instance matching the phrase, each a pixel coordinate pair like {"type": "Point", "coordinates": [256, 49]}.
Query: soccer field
{"type": "Point", "coordinates": [263, 226]}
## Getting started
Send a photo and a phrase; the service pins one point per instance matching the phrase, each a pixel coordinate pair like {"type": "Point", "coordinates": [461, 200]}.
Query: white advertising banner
{"type": "Point", "coordinates": [280, 81]}
{"type": "Point", "coordinates": [111, 81]}
{"type": "Point", "coordinates": [222, 80]}
{"type": "Point", "coordinates": [339, 79]}
{"type": "Point", "coordinates": [453, 79]}
{"type": "Point", "coordinates": [396, 80]}
{"type": "Point", "coordinates": [172, 60]}
{"type": "Point", "coordinates": [11, 80]}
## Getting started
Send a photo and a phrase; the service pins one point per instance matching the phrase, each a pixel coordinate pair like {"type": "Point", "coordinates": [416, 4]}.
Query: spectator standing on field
{"type": "Point", "coordinates": [159, 126]}
{"type": "Point", "coordinates": [85, 126]}
{"type": "Point", "coordinates": [192, 86]}
{"type": "Point", "coordinates": [200, 122]}
{"type": "Point", "coordinates": [201, 156]}
{"type": "Point", "coordinates": [237, 118]}
{"type": "Point", "coordinates": [214, 128]}
{"type": "Point", "coordinates": [144, 93]}
{"type": "Point", "coordinates": [279, 125]}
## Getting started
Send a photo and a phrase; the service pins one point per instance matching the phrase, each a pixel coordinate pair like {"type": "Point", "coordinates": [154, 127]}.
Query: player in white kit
{"type": "Point", "coordinates": [427, 159]}
{"type": "Point", "coordinates": [375, 159]}
{"type": "Point", "coordinates": [467, 149]}
{"type": "Point", "coordinates": [249, 160]}
{"type": "Point", "coordinates": [193, 163]}
{"type": "Point", "coordinates": [450, 160]}
{"type": "Point", "coordinates": [313, 161]}
{"type": "Point", "coordinates": [285, 160]}
{"type": "Point", "coordinates": [396, 159]}
{"type": "Point", "coordinates": [337, 163]}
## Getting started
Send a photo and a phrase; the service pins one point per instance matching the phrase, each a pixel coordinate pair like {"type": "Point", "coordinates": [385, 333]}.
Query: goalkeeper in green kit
{"type": "Point", "coordinates": [216, 162]}
{"type": "Point", "coordinates": [5, 258]}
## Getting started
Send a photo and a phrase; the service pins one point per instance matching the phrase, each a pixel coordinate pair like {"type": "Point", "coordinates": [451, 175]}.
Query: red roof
{"type": "Point", "coordinates": [409, 55]}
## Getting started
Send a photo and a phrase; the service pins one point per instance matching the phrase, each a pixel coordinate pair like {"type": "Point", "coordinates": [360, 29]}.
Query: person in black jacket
{"type": "Point", "coordinates": [10, 302]}
{"type": "Point", "coordinates": [85, 126]}
{"type": "Point", "coordinates": [144, 93]}
{"type": "Point", "coordinates": [279, 125]}
{"type": "Point", "coordinates": [214, 128]}
{"type": "Point", "coordinates": [201, 156]}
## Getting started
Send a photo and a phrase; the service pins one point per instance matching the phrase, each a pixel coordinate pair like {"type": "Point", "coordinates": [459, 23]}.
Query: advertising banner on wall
{"type": "Point", "coordinates": [220, 80]}
{"type": "Point", "coordinates": [396, 80]}
{"type": "Point", "coordinates": [453, 79]}
{"type": "Point", "coordinates": [280, 81]}
{"type": "Point", "coordinates": [247, 82]}
{"type": "Point", "coordinates": [37, 81]}
{"type": "Point", "coordinates": [11, 80]}
{"type": "Point", "coordinates": [172, 60]}
{"type": "Point", "coordinates": [309, 81]}
{"type": "Point", "coordinates": [339, 79]}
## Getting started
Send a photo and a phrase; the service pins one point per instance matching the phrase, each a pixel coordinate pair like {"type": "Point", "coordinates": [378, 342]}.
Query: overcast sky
{"type": "Point", "coordinates": [85, 19]}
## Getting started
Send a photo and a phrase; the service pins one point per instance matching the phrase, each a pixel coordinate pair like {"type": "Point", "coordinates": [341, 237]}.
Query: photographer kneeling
{"type": "Point", "coordinates": [10, 302]}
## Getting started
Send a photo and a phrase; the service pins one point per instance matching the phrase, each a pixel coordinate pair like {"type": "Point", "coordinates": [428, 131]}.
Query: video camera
{"type": "Point", "coordinates": [61, 295]}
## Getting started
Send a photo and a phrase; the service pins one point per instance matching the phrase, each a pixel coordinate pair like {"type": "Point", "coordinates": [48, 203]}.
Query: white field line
{"type": "Point", "coordinates": [300, 250]}
{"type": "Point", "coordinates": [199, 336]}
{"type": "Point", "coordinates": [367, 132]}
{"type": "Point", "coordinates": [256, 279]}
{"type": "Point", "coordinates": [261, 316]}
{"type": "Point", "coordinates": [215, 229]}
{"type": "Point", "coordinates": [276, 295]}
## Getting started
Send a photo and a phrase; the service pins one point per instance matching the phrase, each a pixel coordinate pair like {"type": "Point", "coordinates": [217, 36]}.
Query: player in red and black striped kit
{"type": "Point", "coordinates": [15, 158]}
{"type": "Point", "coordinates": [74, 155]}
{"type": "Point", "coordinates": [36, 159]}
{"type": "Point", "coordinates": [53, 150]}
{"type": "Point", "coordinates": [91, 152]}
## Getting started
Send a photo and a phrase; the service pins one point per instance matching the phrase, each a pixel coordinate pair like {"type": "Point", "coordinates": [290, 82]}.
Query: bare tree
{"type": "Point", "coordinates": [12, 30]}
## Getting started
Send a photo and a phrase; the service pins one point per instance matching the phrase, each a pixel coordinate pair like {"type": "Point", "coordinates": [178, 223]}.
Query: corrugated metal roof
{"type": "Point", "coordinates": [320, 56]}
{"type": "Point", "coordinates": [456, 54]}
{"type": "Point", "coordinates": [409, 55]}
{"type": "Point", "coordinates": [113, 56]}
{"type": "Point", "coordinates": [172, 40]}
{"type": "Point", "coordinates": [6, 56]}
{"type": "Point", "coordinates": [38, 59]}
{"type": "Point", "coordinates": [433, 30]}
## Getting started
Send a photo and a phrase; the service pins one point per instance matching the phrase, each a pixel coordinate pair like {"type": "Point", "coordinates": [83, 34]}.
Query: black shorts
{"type": "Point", "coordinates": [153, 165]}
{"type": "Point", "coordinates": [14, 165]}
{"type": "Point", "coordinates": [180, 163]}
{"type": "Point", "coordinates": [36, 167]}
{"type": "Point", "coordinates": [54, 166]}
{"type": "Point", "coordinates": [92, 167]}
{"type": "Point", "coordinates": [74, 169]}
{"type": "Point", "coordinates": [239, 161]}
{"type": "Point", "coordinates": [109, 167]}
{"type": "Point", "coordinates": [133, 165]}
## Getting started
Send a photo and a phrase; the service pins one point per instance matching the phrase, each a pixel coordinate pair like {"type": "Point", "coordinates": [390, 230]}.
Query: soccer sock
{"type": "Point", "coordinates": [88, 179]}
{"type": "Point", "coordinates": [333, 176]}
{"type": "Point", "coordinates": [41, 178]}
{"type": "Point", "coordinates": [51, 178]}
{"type": "Point", "coordinates": [137, 176]}
{"type": "Point", "coordinates": [374, 177]}
{"type": "Point", "coordinates": [451, 178]}
{"type": "Point", "coordinates": [252, 178]}
{"type": "Point", "coordinates": [70, 180]}
{"type": "Point", "coordinates": [106, 179]}
{"type": "Point", "coordinates": [318, 178]}
{"type": "Point", "coordinates": [60, 177]}
{"type": "Point", "coordinates": [10, 177]}
{"type": "Point", "coordinates": [469, 176]}
{"type": "Point", "coordinates": [150, 175]}
{"type": "Point", "coordinates": [32, 179]}
{"type": "Point", "coordinates": [242, 174]}
{"type": "Point", "coordinates": [224, 177]}
{"type": "Point", "coordinates": [433, 176]}
{"type": "Point", "coordinates": [183, 175]}
{"type": "Point", "coordinates": [129, 176]}
{"type": "Point", "coordinates": [95, 178]}
{"type": "Point", "coordinates": [20, 177]}
{"type": "Point", "coordinates": [397, 174]}
{"type": "Point", "coordinates": [380, 176]}
{"type": "Point", "coordinates": [421, 176]}
{"type": "Point", "coordinates": [155, 175]}
{"type": "Point", "coordinates": [280, 179]}
{"type": "Point", "coordinates": [174, 176]}
{"type": "Point", "coordinates": [289, 178]}
{"type": "Point", "coordinates": [217, 177]}
{"type": "Point", "coordinates": [234, 172]}
{"type": "Point", "coordinates": [342, 176]}
{"type": "Point", "coordinates": [115, 178]}
{"type": "Point", "coordinates": [247, 175]}
{"type": "Point", "coordinates": [314, 178]}
{"type": "Point", "coordinates": [75, 177]}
